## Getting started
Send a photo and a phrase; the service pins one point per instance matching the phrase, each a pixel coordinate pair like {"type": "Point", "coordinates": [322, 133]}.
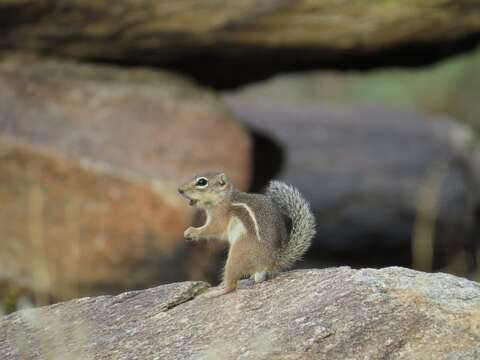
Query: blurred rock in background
{"type": "Point", "coordinates": [373, 132]}
{"type": "Point", "coordinates": [377, 178]}
{"type": "Point", "coordinates": [447, 88]}
{"type": "Point", "coordinates": [91, 155]}
{"type": "Point", "coordinates": [231, 42]}
{"type": "Point", "coordinates": [90, 160]}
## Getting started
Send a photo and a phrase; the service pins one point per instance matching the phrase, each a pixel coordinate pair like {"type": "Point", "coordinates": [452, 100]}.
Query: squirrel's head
{"type": "Point", "coordinates": [207, 189]}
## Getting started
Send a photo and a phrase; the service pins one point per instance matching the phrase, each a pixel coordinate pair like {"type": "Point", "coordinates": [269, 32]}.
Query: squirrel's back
{"type": "Point", "coordinates": [265, 214]}
{"type": "Point", "coordinates": [260, 212]}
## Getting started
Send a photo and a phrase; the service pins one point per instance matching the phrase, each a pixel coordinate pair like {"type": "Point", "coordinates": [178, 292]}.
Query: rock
{"type": "Point", "coordinates": [90, 160]}
{"type": "Point", "coordinates": [378, 179]}
{"type": "Point", "coordinates": [376, 314]}
{"type": "Point", "coordinates": [448, 88]}
{"type": "Point", "coordinates": [255, 38]}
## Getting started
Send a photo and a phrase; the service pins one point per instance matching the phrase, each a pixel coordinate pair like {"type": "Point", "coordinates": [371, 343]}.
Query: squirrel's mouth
{"type": "Point", "coordinates": [192, 202]}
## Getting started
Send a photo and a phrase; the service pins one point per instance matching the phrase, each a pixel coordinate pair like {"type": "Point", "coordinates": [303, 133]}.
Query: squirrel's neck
{"type": "Point", "coordinates": [222, 206]}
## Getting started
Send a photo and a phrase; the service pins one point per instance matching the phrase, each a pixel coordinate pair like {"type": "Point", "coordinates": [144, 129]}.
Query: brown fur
{"type": "Point", "coordinates": [254, 243]}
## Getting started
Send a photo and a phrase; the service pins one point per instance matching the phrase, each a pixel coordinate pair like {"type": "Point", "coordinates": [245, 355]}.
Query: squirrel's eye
{"type": "Point", "coordinates": [202, 182]}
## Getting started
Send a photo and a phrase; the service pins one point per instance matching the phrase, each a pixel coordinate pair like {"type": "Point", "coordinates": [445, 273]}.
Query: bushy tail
{"type": "Point", "coordinates": [293, 204]}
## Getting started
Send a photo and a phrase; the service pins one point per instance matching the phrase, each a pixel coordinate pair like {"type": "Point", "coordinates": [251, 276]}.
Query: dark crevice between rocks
{"type": "Point", "coordinates": [473, 246]}
{"type": "Point", "coordinates": [227, 66]}
{"type": "Point", "coordinates": [268, 159]}
{"type": "Point", "coordinates": [15, 15]}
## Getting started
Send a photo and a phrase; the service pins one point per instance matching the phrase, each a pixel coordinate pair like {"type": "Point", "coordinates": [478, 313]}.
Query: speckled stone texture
{"type": "Point", "coordinates": [335, 313]}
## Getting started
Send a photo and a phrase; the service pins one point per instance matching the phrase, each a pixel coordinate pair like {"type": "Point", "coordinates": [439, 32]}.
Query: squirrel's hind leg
{"type": "Point", "coordinates": [238, 264]}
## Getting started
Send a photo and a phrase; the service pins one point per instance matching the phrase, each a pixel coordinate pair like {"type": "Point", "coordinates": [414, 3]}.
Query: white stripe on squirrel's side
{"type": "Point", "coordinates": [252, 216]}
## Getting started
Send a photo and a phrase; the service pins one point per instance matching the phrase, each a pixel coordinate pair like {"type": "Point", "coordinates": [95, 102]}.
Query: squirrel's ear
{"type": "Point", "coordinates": [222, 179]}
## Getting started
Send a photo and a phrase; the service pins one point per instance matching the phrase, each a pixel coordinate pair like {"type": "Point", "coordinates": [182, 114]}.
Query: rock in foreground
{"type": "Point", "coordinates": [336, 313]}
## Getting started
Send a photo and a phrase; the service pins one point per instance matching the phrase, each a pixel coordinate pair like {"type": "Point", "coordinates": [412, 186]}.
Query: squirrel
{"type": "Point", "coordinates": [255, 226]}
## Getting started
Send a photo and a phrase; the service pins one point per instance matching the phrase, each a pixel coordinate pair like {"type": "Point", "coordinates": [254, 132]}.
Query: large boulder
{"type": "Point", "coordinates": [383, 183]}
{"type": "Point", "coordinates": [447, 88]}
{"type": "Point", "coordinates": [255, 37]}
{"type": "Point", "coordinates": [90, 160]}
{"type": "Point", "coordinates": [391, 313]}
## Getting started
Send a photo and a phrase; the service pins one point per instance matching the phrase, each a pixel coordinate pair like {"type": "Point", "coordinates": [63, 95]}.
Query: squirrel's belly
{"type": "Point", "coordinates": [235, 230]}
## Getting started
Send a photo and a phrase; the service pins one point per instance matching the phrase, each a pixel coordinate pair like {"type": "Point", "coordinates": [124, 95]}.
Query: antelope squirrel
{"type": "Point", "coordinates": [253, 224]}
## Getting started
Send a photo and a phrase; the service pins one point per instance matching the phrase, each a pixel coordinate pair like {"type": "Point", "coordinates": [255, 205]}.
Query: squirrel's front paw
{"type": "Point", "coordinates": [191, 234]}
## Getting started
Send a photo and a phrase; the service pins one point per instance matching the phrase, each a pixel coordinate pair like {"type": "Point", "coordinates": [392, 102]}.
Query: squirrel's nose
{"type": "Point", "coordinates": [181, 191]}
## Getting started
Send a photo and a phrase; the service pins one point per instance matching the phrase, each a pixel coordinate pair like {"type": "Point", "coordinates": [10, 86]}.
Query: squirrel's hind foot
{"type": "Point", "coordinates": [259, 277]}
{"type": "Point", "coordinates": [262, 276]}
